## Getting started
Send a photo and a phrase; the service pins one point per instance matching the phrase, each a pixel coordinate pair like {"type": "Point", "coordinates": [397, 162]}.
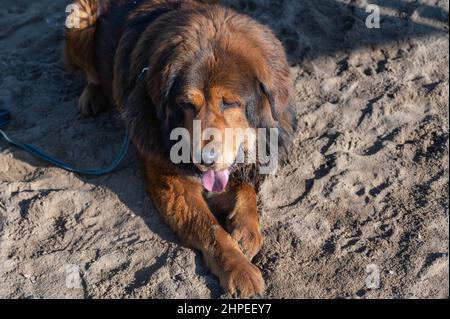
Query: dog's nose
{"type": "Point", "coordinates": [209, 157]}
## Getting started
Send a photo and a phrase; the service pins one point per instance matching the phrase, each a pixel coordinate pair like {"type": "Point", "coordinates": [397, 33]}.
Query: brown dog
{"type": "Point", "coordinates": [164, 64]}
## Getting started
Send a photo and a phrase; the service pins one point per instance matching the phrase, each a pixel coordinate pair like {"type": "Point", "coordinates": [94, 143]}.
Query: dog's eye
{"type": "Point", "coordinates": [228, 105]}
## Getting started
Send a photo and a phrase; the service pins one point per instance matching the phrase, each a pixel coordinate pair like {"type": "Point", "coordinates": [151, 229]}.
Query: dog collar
{"type": "Point", "coordinates": [143, 73]}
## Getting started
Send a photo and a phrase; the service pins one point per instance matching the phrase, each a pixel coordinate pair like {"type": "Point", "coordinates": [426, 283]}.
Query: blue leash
{"type": "Point", "coordinates": [5, 117]}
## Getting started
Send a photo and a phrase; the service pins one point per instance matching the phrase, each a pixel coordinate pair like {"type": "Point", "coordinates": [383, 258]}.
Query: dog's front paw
{"type": "Point", "coordinates": [247, 234]}
{"type": "Point", "coordinates": [242, 278]}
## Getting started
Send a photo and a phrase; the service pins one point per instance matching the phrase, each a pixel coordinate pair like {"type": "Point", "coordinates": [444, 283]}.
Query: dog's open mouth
{"type": "Point", "coordinates": [216, 181]}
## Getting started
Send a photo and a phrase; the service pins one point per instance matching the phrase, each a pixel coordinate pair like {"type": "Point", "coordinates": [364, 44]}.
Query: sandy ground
{"type": "Point", "coordinates": [364, 197]}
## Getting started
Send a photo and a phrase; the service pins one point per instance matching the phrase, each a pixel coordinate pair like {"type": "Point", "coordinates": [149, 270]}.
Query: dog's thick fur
{"type": "Point", "coordinates": [198, 55]}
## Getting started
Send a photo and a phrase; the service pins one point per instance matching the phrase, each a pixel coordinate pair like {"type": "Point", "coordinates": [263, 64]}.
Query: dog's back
{"type": "Point", "coordinates": [92, 42]}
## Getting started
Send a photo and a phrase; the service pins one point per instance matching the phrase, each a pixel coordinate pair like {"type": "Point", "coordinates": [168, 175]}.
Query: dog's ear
{"type": "Point", "coordinates": [165, 65]}
{"type": "Point", "coordinates": [269, 96]}
{"type": "Point", "coordinates": [275, 86]}
{"type": "Point", "coordinates": [163, 83]}
{"type": "Point", "coordinates": [139, 115]}
{"type": "Point", "coordinates": [159, 84]}
{"type": "Point", "coordinates": [272, 102]}
{"type": "Point", "coordinates": [272, 71]}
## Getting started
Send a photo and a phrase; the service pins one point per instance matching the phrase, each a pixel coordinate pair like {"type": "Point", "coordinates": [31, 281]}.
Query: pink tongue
{"type": "Point", "coordinates": [215, 182]}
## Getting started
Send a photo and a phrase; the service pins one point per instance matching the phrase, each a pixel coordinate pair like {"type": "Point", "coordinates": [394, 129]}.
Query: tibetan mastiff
{"type": "Point", "coordinates": [166, 64]}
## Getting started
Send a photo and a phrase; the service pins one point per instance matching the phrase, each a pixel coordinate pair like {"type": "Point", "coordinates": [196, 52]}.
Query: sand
{"type": "Point", "coordinates": [361, 210]}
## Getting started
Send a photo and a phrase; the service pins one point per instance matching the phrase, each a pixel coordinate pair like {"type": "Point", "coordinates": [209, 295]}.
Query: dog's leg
{"type": "Point", "coordinates": [238, 204]}
{"type": "Point", "coordinates": [243, 222]}
{"type": "Point", "coordinates": [79, 55]}
{"type": "Point", "coordinates": [179, 199]}
{"type": "Point", "coordinates": [92, 101]}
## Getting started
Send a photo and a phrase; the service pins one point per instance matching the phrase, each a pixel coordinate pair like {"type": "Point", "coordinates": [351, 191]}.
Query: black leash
{"type": "Point", "coordinates": [5, 118]}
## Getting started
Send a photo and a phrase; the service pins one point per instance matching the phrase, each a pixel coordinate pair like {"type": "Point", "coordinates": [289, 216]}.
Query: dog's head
{"type": "Point", "coordinates": [218, 73]}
